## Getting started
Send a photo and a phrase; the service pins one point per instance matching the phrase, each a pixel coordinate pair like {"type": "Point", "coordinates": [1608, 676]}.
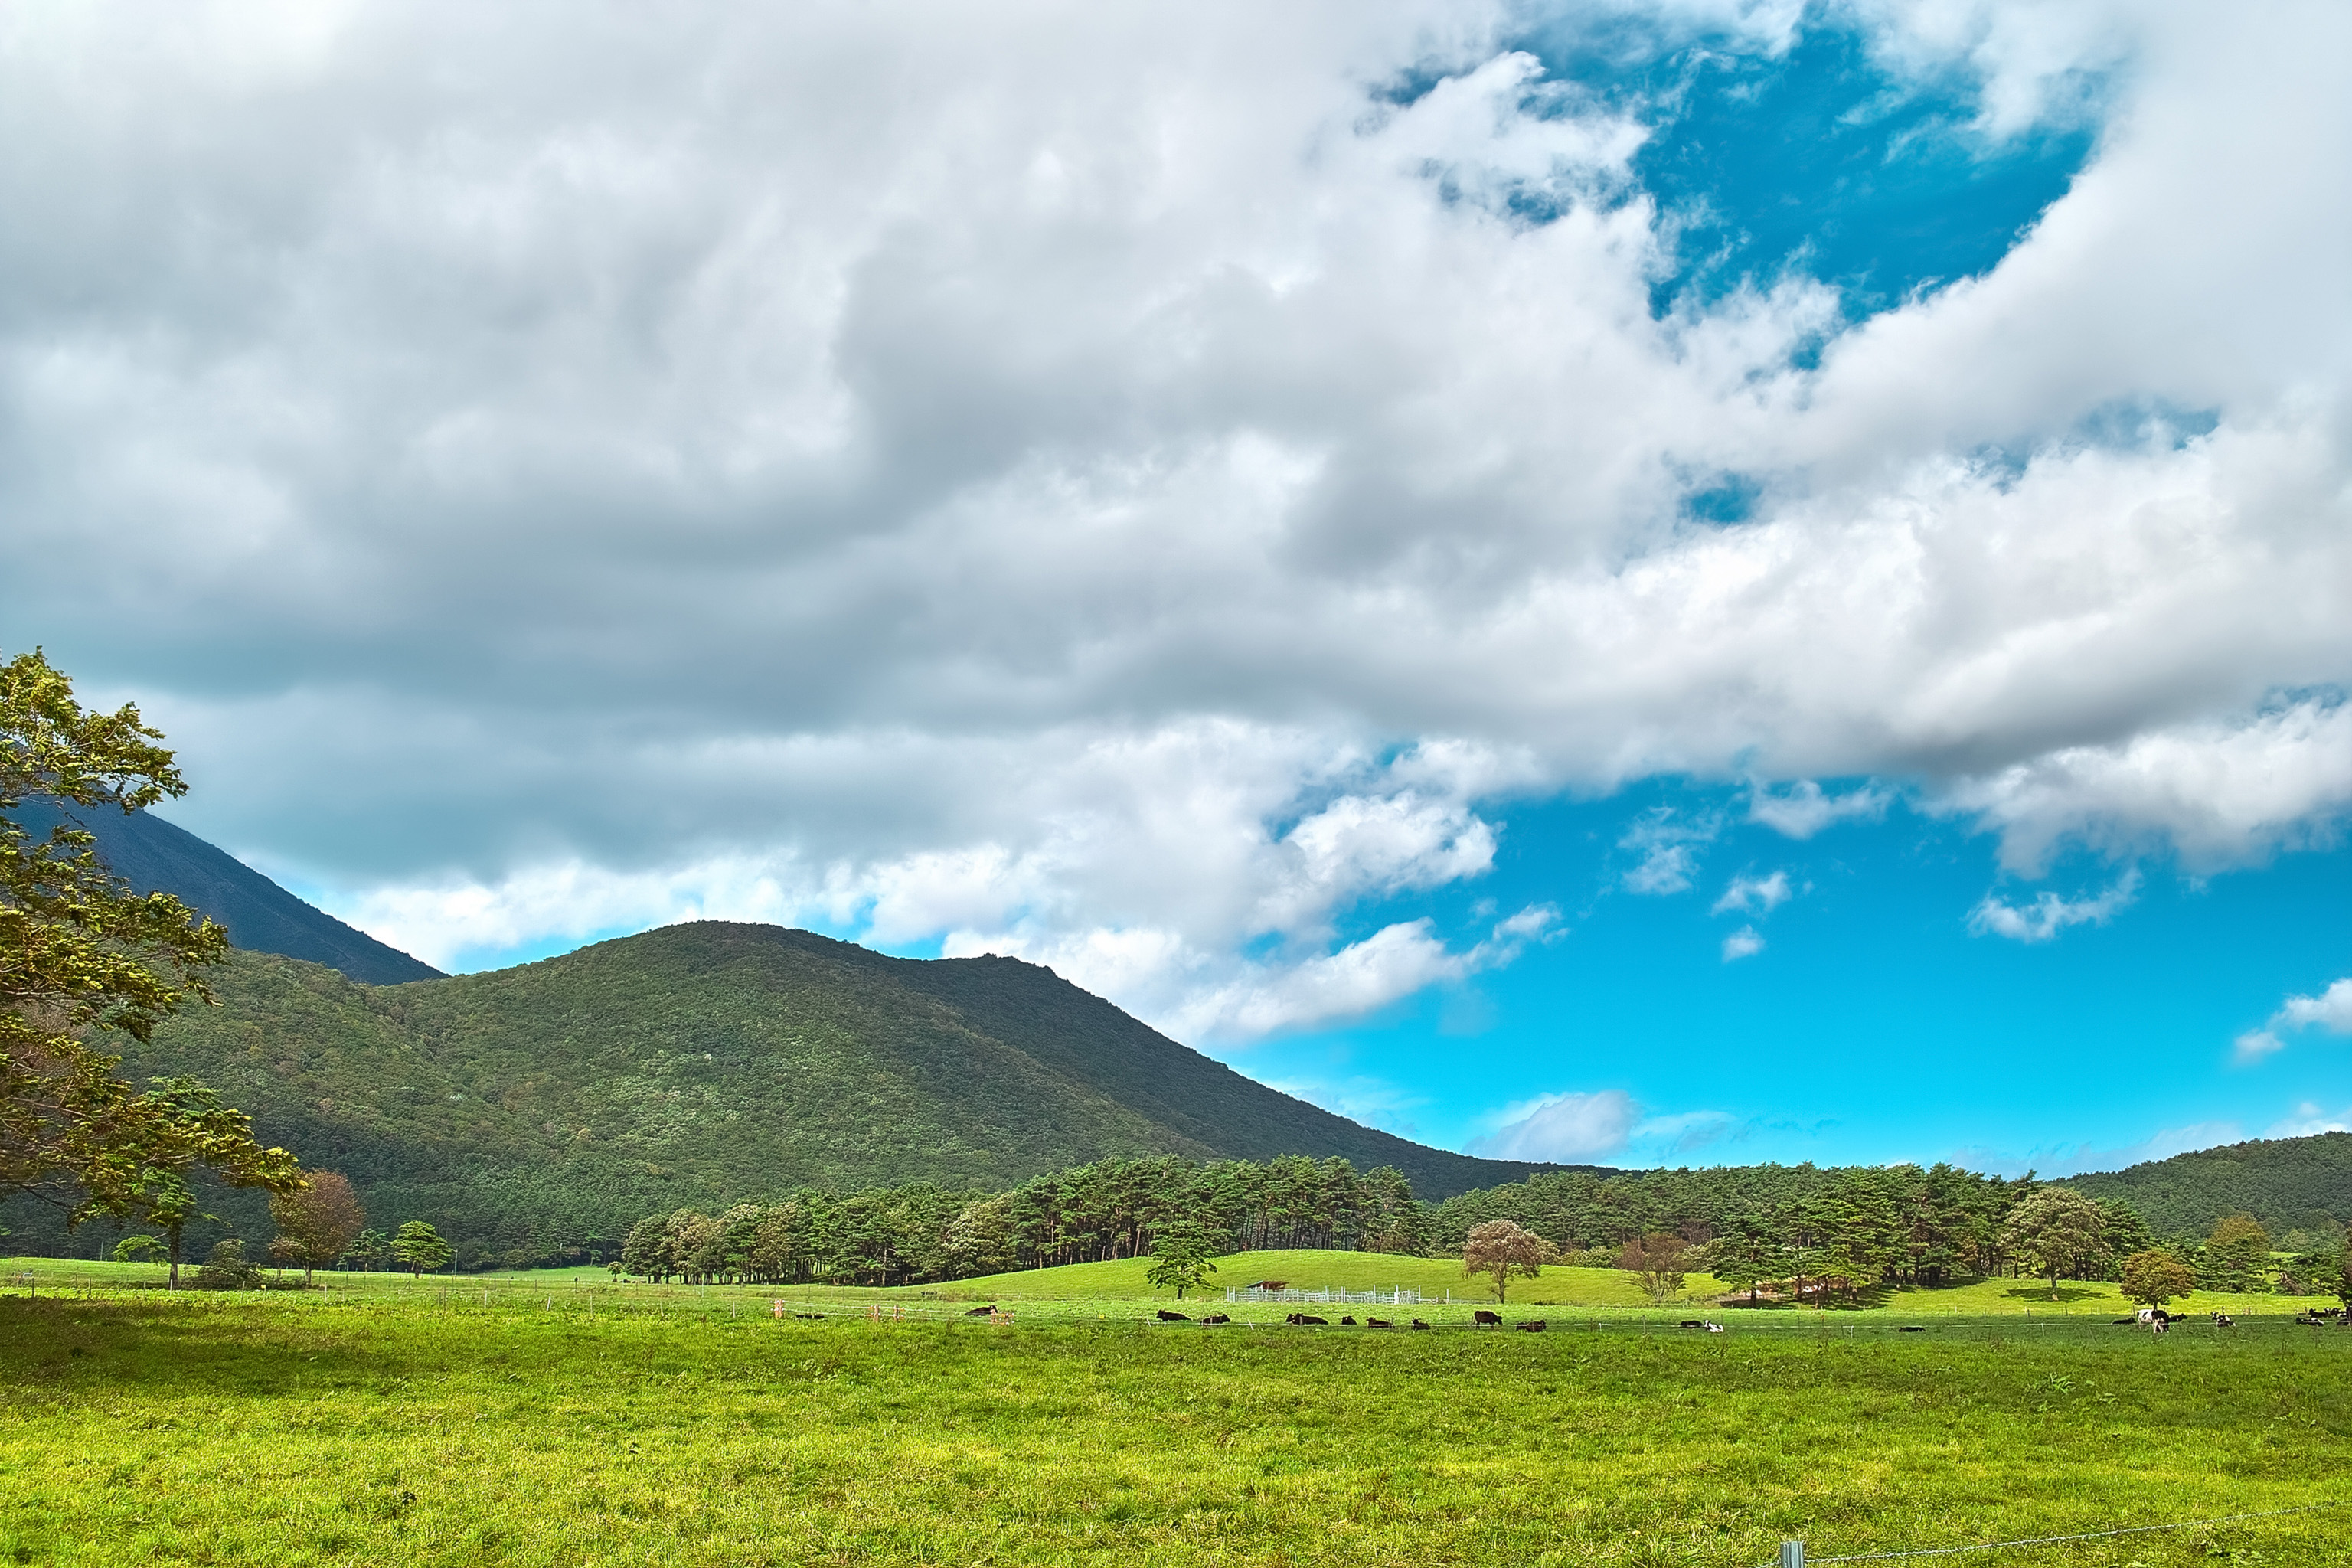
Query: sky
{"type": "Point", "coordinates": [1690, 582]}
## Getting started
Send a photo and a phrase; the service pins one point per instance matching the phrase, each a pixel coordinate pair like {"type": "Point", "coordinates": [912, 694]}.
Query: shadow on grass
{"type": "Point", "coordinates": [2060, 1297]}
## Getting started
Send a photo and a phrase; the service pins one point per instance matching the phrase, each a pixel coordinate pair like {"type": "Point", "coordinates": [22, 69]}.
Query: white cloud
{"type": "Point", "coordinates": [1566, 1128]}
{"type": "Point", "coordinates": [2330, 1010]}
{"type": "Point", "coordinates": [1668, 844]}
{"type": "Point", "coordinates": [1577, 1128]}
{"type": "Point", "coordinates": [1804, 808]}
{"type": "Point", "coordinates": [1744, 943]}
{"type": "Point", "coordinates": [1755, 895]}
{"type": "Point", "coordinates": [2048, 914]}
{"type": "Point", "coordinates": [1100, 478]}
{"type": "Point", "coordinates": [2309, 1119]}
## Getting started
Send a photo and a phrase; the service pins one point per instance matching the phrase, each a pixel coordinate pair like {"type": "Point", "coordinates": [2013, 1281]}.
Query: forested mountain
{"type": "Point", "coordinates": [2287, 1184]}
{"type": "Point", "coordinates": [707, 1063]}
{"type": "Point", "coordinates": [153, 856]}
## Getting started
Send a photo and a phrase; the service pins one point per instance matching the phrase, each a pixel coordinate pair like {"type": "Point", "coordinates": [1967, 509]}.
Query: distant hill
{"type": "Point", "coordinates": [259, 916]}
{"type": "Point", "coordinates": [705, 1063]}
{"type": "Point", "coordinates": [2287, 1184]}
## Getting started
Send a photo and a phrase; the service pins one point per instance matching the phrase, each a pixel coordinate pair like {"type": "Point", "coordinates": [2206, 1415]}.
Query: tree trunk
{"type": "Point", "coordinates": [175, 1257]}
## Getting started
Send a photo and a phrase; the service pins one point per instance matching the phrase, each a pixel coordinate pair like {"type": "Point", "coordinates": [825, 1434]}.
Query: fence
{"type": "Point", "coordinates": [1330, 1296]}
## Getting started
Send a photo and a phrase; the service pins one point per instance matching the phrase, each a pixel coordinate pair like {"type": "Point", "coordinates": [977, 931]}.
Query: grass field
{"type": "Point", "coordinates": [543, 1423]}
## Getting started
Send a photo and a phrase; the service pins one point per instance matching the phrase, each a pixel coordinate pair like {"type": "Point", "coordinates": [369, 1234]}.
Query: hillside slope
{"type": "Point", "coordinates": [2285, 1182]}
{"type": "Point", "coordinates": [705, 1063]}
{"type": "Point", "coordinates": [259, 916]}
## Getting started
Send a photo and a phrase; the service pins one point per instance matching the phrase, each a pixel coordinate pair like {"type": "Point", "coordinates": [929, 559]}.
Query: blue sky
{"type": "Point", "coordinates": [1378, 536]}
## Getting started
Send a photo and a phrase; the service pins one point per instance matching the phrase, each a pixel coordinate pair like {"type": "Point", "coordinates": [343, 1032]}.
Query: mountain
{"type": "Point", "coordinates": [711, 1062]}
{"type": "Point", "coordinates": [153, 856]}
{"type": "Point", "coordinates": [2288, 1184]}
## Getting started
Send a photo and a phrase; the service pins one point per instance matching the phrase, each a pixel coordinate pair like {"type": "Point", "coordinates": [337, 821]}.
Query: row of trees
{"type": "Point", "coordinates": [1115, 1208]}
{"type": "Point", "coordinates": [319, 1225]}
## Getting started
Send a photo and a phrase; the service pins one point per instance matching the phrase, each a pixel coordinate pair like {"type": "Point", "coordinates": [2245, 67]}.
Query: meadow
{"type": "Point", "coordinates": [546, 1420]}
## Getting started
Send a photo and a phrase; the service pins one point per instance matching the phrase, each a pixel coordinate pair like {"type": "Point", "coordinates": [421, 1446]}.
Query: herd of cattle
{"type": "Point", "coordinates": [1482, 1318]}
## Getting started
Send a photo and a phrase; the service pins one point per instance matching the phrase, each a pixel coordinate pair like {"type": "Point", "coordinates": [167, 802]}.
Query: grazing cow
{"type": "Point", "coordinates": [1419, 1324]}
{"type": "Point", "coordinates": [981, 1311]}
{"type": "Point", "coordinates": [1485, 1319]}
{"type": "Point", "coordinates": [1378, 1323]}
{"type": "Point", "coordinates": [1214, 1318]}
{"type": "Point", "coordinates": [1910, 1329]}
{"type": "Point", "coordinates": [1693, 1323]}
{"type": "Point", "coordinates": [1536, 1326]}
{"type": "Point", "coordinates": [1347, 1322]}
{"type": "Point", "coordinates": [1167, 1317]}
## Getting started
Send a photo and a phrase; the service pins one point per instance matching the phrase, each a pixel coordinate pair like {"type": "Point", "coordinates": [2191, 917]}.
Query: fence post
{"type": "Point", "coordinates": [1792, 1554]}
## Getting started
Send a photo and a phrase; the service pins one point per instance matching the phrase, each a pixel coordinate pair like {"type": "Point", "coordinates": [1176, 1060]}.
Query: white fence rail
{"type": "Point", "coordinates": [1328, 1296]}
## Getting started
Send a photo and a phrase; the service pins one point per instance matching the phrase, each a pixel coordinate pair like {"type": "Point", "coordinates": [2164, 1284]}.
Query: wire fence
{"type": "Point", "coordinates": [1794, 1555]}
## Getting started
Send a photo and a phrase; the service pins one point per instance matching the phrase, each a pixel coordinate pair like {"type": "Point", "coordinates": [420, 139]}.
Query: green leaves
{"type": "Point", "coordinates": [80, 955]}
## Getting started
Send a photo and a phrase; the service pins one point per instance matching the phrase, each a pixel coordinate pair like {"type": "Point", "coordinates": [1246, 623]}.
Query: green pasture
{"type": "Point", "coordinates": [1118, 1289]}
{"type": "Point", "coordinates": [550, 1422]}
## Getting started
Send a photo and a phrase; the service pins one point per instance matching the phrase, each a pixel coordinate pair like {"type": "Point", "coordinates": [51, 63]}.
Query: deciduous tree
{"type": "Point", "coordinates": [82, 955]}
{"type": "Point", "coordinates": [1501, 1248]}
{"type": "Point", "coordinates": [1660, 1261]}
{"type": "Point", "coordinates": [2156, 1275]}
{"type": "Point", "coordinates": [2060, 1231]}
{"type": "Point", "coordinates": [315, 1221]}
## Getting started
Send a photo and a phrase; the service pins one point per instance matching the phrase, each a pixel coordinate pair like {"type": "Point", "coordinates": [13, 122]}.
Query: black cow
{"type": "Point", "coordinates": [1536, 1326]}
{"type": "Point", "coordinates": [2223, 1321]}
{"type": "Point", "coordinates": [1482, 1318]}
{"type": "Point", "coordinates": [1347, 1322]}
{"type": "Point", "coordinates": [1301, 1319]}
{"type": "Point", "coordinates": [1694, 1323]}
{"type": "Point", "coordinates": [1419, 1324]}
{"type": "Point", "coordinates": [1378, 1323]}
{"type": "Point", "coordinates": [980, 1311]}
{"type": "Point", "coordinates": [1910, 1329]}
{"type": "Point", "coordinates": [1167, 1317]}
{"type": "Point", "coordinates": [1214, 1318]}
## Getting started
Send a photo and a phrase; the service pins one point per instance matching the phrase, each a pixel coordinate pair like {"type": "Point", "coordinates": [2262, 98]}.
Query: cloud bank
{"type": "Point", "coordinates": [1128, 486]}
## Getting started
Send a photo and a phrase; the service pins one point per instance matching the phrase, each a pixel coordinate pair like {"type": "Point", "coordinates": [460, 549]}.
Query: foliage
{"type": "Point", "coordinates": [1499, 1248]}
{"type": "Point", "coordinates": [2283, 1182]}
{"type": "Point", "coordinates": [2059, 1231]}
{"type": "Point", "coordinates": [1179, 1256]}
{"type": "Point", "coordinates": [138, 1249]}
{"type": "Point", "coordinates": [534, 1113]}
{"type": "Point", "coordinates": [419, 1246]}
{"type": "Point", "coordinates": [317, 1223]}
{"type": "Point", "coordinates": [1659, 1260]}
{"type": "Point", "coordinates": [403, 1428]}
{"type": "Point", "coordinates": [229, 1268]}
{"type": "Point", "coordinates": [2237, 1255]}
{"type": "Point", "coordinates": [1115, 1208]}
{"type": "Point", "coordinates": [2156, 1277]}
{"type": "Point", "coordinates": [369, 1249]}
{"type": "Point", "coordinates": [81, 958]}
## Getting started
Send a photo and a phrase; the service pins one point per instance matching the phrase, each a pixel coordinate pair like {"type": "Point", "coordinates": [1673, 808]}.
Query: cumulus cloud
{"type": "Point", "coordinates": [2330, 1010]}
{"type": "Point", "coordinates": [1116, 482]}
{"type": "Point", "coordinates": [2048, 913]}
{"type": "Point", "coordinates": [1804, 808]}
{"type": "Point", "coordinates": [1744, 943]}
{"type": "Point", "coordinates": [1755, 895]}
